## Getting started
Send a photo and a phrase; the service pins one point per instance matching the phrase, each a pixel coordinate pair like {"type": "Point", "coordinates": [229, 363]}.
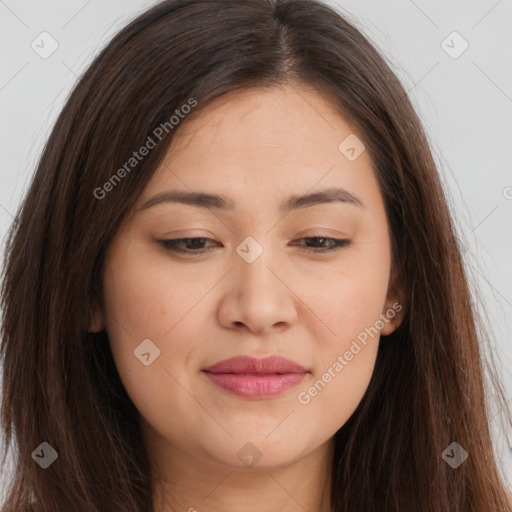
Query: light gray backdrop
{"type": "Point", "coordinates": [461, 84]}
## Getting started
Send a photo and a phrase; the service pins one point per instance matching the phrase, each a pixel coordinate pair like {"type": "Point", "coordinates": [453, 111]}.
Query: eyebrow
{"type": "Point", "coordinates": [220, 202]}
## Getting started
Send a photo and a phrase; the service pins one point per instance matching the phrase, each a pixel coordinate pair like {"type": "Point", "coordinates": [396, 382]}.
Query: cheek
{"type": "Point", "coordinates": [146, 300]}
{"type": "Point", "coordinates": [344, 359]}
{"type": "Point", "coordinates": [348, 310]}
{"type": "Point", "coordinates": [336, 390]}
{"type": "Point", "coordinates": [348, 301]}
{"type": "Point", "coordinates": [141, 303]}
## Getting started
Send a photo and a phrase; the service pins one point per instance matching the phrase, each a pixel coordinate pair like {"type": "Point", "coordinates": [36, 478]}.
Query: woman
{"type": "Point", "coordinates": [235, 284]}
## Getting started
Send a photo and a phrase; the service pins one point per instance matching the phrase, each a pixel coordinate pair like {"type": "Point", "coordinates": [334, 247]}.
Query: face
{"type": "Point", "coordinates": [262, 277]}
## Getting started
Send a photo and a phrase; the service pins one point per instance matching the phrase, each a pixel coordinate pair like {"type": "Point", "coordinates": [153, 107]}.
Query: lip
{"type": "Point", "coordinates": [253, 365]}
{"type": "Point", "coordinates": [250, 377]}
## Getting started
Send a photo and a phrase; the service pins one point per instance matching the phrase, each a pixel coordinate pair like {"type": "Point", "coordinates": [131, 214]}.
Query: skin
{"type": "Point", "coordinates": [256, 147]}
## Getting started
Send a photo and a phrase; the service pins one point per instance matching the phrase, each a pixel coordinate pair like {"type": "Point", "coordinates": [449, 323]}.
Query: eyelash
{"type": "Point", "coordinates": [171, 245]}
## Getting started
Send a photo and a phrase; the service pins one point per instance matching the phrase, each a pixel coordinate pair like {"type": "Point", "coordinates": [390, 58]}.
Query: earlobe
{"type": "Point", "coordinates": [393, 316]}
{"type": "Point", "coordinates": [394, 311]}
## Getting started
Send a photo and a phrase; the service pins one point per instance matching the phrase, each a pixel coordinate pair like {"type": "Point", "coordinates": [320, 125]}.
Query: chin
{"type": "Point", "coordinates": [254, 454]}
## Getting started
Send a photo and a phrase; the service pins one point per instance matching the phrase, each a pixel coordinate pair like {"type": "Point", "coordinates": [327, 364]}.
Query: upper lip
{"type": "Point", "coordinates": [252, 365]}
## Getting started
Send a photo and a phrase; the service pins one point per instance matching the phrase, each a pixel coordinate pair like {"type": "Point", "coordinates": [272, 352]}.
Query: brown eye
{"type": "Point", "coordinates": [334, 244]}
{"type": "Point", "coordinates": [196, 245]}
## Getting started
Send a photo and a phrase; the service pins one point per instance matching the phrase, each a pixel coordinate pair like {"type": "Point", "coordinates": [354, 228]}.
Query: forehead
{"type": "Point", "coordinates": [284, 117]}
{"type": "Point", "coordinates": [264, 143]}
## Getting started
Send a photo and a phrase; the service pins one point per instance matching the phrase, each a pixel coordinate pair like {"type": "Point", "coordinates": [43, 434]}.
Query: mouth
{"type": "Point", "coordinates": [253, 378]}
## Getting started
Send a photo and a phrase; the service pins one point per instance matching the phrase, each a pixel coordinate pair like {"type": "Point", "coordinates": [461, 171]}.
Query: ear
{"type": "Point", "coordinates": [394, 307]}
{"type": "Point", "coordinates": [97, 322]}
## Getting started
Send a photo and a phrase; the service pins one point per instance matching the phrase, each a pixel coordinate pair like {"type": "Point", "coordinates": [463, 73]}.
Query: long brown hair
{"type": "Point", "coordinates": [60, 384]}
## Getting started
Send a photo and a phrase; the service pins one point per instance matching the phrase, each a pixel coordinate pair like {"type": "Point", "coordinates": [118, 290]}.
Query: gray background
{"type": "Point", "coordinates": [465, 104]}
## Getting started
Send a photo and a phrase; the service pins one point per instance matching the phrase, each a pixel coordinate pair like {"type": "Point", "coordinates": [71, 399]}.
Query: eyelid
{"type": "Point", "coordinates": [336, 244]}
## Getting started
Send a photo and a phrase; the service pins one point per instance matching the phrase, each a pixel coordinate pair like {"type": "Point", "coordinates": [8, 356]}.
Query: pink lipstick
{"type": "Point", "coordinates": [255, 378]}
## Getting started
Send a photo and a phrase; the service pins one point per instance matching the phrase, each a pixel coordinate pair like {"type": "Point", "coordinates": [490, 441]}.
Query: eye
{"type": "Point", "coordinates": [194, 245]}
{"type": "Point", "coordinates": [335, 244]}
{"type": "Point", "coordinates": [176, 245]}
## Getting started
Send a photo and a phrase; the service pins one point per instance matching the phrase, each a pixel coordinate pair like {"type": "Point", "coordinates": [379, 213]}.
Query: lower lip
{"type": "Point", "coordinates": [251, 386]}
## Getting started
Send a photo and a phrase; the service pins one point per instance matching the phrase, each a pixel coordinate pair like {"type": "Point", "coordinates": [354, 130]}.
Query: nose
{"type": "Point", "coordinates": [258, 296]}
